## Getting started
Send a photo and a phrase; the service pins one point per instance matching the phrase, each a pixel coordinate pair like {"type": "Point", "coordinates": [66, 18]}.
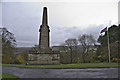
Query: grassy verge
{"type": "Point", "coordinates": [64, 66]}
{"type": "Point", "coordinates": [6, 76]}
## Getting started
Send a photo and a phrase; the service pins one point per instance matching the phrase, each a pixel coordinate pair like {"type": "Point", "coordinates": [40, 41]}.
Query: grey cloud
{"type": "Point", "coordinates": [60, 34]}
{"type": "Point", "coordinates": [25, 43]}
{"type": "Point", "coordinates": [24, 20]}
{"type": "Point", "coordinates": [94, 30]}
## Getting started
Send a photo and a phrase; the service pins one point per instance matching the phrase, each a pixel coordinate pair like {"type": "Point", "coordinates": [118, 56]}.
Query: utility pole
{"type": "Point", "coordinates": [108, 45]}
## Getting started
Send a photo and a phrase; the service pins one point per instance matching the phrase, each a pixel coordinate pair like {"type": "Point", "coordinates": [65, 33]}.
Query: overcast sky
{"type": "Point", "coordinates": [65, 19]}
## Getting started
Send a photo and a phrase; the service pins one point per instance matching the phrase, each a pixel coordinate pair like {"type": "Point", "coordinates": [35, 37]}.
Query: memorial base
{"type": "Point", "coordinates": [43, 58]}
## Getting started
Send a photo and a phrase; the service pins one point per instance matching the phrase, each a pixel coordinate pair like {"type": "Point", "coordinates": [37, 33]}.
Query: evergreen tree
{"type": "Point", "coordinates": [114, 39]}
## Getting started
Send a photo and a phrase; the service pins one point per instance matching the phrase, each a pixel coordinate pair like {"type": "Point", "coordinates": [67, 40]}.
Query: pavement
{"type": "Point", "coordinates": [62, 73]}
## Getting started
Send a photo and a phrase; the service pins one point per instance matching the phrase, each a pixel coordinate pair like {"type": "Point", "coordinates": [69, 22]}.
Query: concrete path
{"type": "Point", "coordinates": [62, 73]}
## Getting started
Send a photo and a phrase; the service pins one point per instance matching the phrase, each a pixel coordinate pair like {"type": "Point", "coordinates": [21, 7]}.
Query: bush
{"type": "Point", "coordinates": [16, 62]}
{"type": "Point", "coordinates": [21, 59]}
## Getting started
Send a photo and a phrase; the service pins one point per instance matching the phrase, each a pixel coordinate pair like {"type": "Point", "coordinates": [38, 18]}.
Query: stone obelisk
{"type": "Point", "coordinates": [44, 33]}
{"type": "Point", "coordinates": [44, 55]}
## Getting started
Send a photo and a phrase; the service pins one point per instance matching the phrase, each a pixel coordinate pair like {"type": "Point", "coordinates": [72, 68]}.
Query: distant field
{"type": "Point", "coordinates": [65, 66]}
{"type": "Point", "coordinates": [6, 76]}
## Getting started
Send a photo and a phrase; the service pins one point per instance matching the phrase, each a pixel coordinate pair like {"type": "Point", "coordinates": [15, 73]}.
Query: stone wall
{"type": "Point", "coordinates": [45, 58]}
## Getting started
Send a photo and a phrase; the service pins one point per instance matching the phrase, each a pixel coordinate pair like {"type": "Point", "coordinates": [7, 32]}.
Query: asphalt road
{"type": "Point", "coordinates": [62, 73]}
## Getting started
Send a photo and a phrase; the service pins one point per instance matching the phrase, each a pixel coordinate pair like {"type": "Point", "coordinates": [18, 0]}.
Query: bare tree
{"type": "Point", "coordinates": [86, 41]}
{"type": "Point", "coordinates": [72, 45]}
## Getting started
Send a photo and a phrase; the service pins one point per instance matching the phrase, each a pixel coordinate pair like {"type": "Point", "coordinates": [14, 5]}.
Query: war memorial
{"type": "Point", "coordinates": [44, 54]}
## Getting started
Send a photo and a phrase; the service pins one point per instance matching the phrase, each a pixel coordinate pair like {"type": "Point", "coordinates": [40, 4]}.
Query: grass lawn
{"type": "Point", "coordinates": [6, 76]}
{"type": "Point", "coordinates": [65, 66]}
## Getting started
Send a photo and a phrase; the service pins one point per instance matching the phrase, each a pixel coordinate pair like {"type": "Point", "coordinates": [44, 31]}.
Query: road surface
{"type": "Point", "coordinates": [62, 73]}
